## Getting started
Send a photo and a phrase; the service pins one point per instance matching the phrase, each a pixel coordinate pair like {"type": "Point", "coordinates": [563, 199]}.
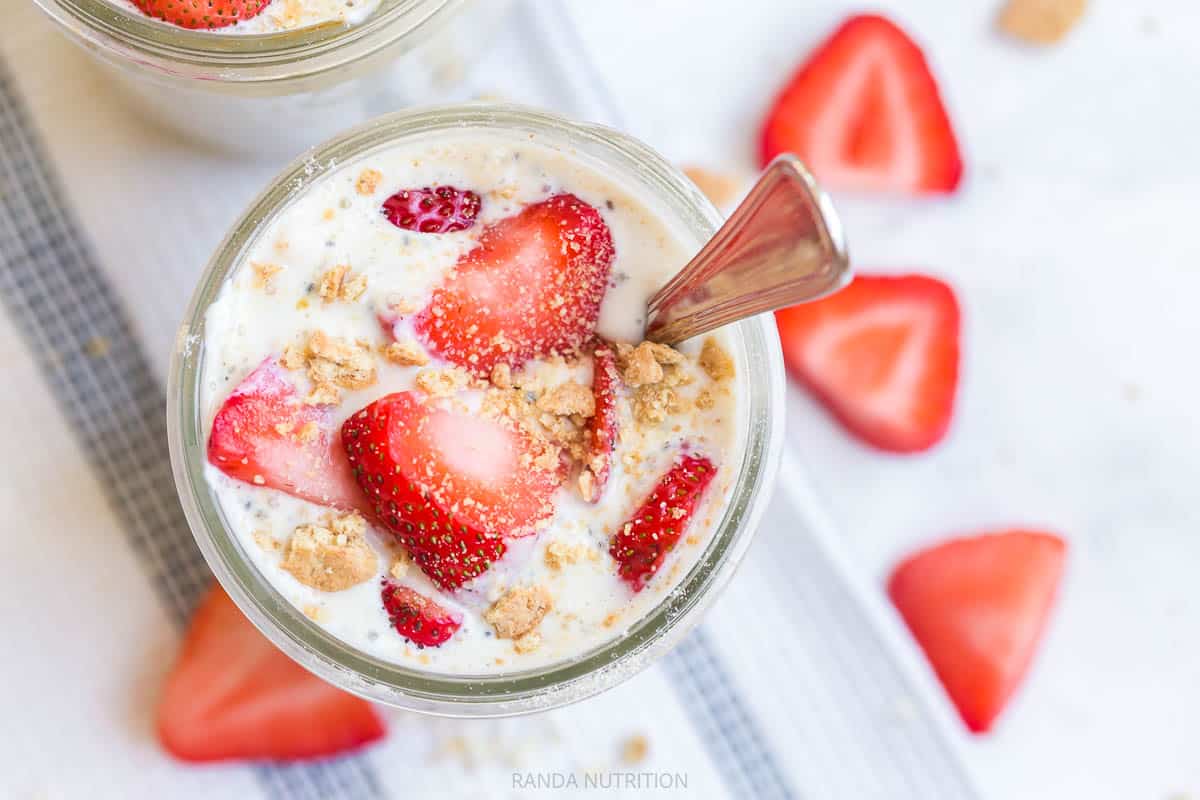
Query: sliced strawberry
{"type": "Point", "coordinates": [882, 355]}
{"type": "Point", "coordinates": [416, 617]}
{"type": "Point", "coordinates": [532, 287]}
{"type": "Point", "coordinates": [602, 426]}
{"type": "Point", "coordinates": [978, 608]}
{"type": "Point", "coordinates": [440, 209]}
{"type": "Point", "coordinates": [864, 113]}
{"type": "Point", "coordinates": [263, 434]}
{"type": "Point", "coordinates": [202, 13]}
{"type": "Point", "coordinates": [233, 695]}
{"type": "Point", "coordinates": [448, 483]}
{"type": "Point", "coordinates": [642, 543]}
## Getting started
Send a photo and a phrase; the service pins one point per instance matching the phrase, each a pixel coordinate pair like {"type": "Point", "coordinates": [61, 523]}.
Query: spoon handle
{"type": "Point", "coordinates": [781, 246]}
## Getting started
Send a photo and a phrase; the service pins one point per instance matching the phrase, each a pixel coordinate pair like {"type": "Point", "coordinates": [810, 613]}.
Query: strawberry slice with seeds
{"type": "Point", "coordinates": [203, 14]}
{"type": "Point", "coordinates": [601, 435]}
{"type": "Point", "coordinates": [263, 434]}
{"type": "Point", "coordinates": [882, 355]}
{"type": "Point", "coordinates": [233, 695]}
{"type": "Point", "coordinates": [864, 113]}
{"type": "Point", "coordinates": [440, 209]}
{"type": "Point", "coordinates": [978, 608]}
{"type": "Point", "coordinates": [417, 618]}
{"type": "Point", "coordinates": [532, 287]}
{"type": "Point", "coordinates": [642, 543]}
{"type": "Point", "coordinates": [450, 484]}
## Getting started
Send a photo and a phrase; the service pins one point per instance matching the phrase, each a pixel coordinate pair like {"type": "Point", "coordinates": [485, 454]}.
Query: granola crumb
{"type": "Point", "coordinates": [715, 361]}
{"type": "Point", "coordinates": [334, 362]}
{"type": "Point", "coordinates": [705, 400]}
{"type": "Point", "coordinates": [1040, 21]}
{"type": "Point", "coordinates": [331, 556]}
{"type": "Point", "coordinates": [340, 283]}
{"type": "Point", "coordinates": [442, 382]}
{"type": "Point", "coordinates": [368, 181]}
{"type": "Point", "coordinates": [567, 399]}
{"type": "Point", "coordinates": [519, 611]}
{"type": "Point", "coordinates": [266, 541]}
{"type": "Point", "coordinates": [652, 404]}
{"type": "Point", "coordinates": [718, 187]}
{"type": "Point", "coordinates": [528, 643]}
{"type": "Point", "coordinates": [635, 749]}
{"type": "Point", "coordinates": [406, 354]}
{"type": "Point", "coordinates": [502, 376]}
{"type": "Point", "coordinates": [97, 346]}
{"type": "Point", "coordinates": [558, 554]}
{"type": "Point", "coordinates": [264, 276]}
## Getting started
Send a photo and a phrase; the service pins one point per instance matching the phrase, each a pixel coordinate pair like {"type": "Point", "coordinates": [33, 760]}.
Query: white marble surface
{"type": "Point", "coordinates": [1074, 245]}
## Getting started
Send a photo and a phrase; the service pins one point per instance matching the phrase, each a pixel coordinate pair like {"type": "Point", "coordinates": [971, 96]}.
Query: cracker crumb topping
{"type": "Point", "coordinates": [331, 556]}
{"type": "Point", "coordinates": [400, 564]}
{"type": "Point", "coordinates": [264, 275]}
{"type": "Point", "coordinates": [340, 283]}
{"type": "Point", "coordinates": [502, 376]}
{"type": "Point", "coordinates": [368, 181]}
{"type": "Point", "coordinates": [443, 382]}
{"type": "Point", "coordinates": [519, 611]}
{"type": "Point", "coordinates": [406, 354]}
{"type": "Point", "coordinates": [266, 541]}
{"type": "Point", "coordinates": [334, 362]}
{"type": "Point", "coordinates": [568, 399]}
{"type": "Point", "coordinates": [653, 403]}
{"type": "Point", "coordinates": [528, 643]}
{"type": "Point", "coordinates": [1040, 21]}
{"type": "Point", "coordinates": [715, 362]}
{"type": "Point", "coordinates": [705, 400]}
{"type": "Point", "coordinates": [559, 554]}
{"type": "Point", "coordinates": [644, 364]}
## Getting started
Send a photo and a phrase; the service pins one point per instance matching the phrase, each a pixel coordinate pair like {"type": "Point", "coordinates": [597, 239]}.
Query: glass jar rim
{"type": "Point", "coordinates": [244, 58]}
{"type": "Point", "coordinates": [474, 695]}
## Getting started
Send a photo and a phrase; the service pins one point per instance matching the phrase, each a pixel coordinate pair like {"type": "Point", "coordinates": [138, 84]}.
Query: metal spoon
{"type": "Point", "coordinates": [781, 246]}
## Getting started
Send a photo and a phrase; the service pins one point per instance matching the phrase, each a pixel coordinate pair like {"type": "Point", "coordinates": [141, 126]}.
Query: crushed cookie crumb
{"type": "Point", "coordinates": [406, 354]}
{"type": "Point", "coordinates": [528, 643]}
{"type": "Point", "coordinates": [502, 376]}
{"type": "Point", "coordinates": [264, 276]}
{"type": "Point", "coordinates": [399, 566]}
{"type": "Point", "coordinates": [635, 749]}
{"type": "Point", "coordinates": [559, 554]}
{"type": "Point", "coordinates": [567, 399]}
{"type": "Point", "coordinates": [717, 363]}
{"type": "Point", "coordinates": [293, 357]}
{"type": "Point", "coordinates": [1041, 22]}
{"type": "Point", "coordinates": [442, 382]}
{"type": "Point", "coordinates": [652, 404]}
{"type": "Point", "coordinates": [718, 187]}
{"type": "Point", "coordinates": [519, 611]}
{"type": "Point", "coordinates": [340, 283]}
{"type": "Point", "coordinates": [332, 556]}
{"type": "Point", "coordinates": [337, 362]}
{"type": "Point", "coordinates": [705, 400]}
{"type": "Point", "coordinates": [368, 181]}
{"type": "Point", "coordinates": [644, 364]}
{"type": "Point", "coordinates": [266, 541]}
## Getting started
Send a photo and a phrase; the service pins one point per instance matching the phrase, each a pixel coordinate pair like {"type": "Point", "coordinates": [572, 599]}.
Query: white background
{"type": "Point", "coordinates": [1074, 243]}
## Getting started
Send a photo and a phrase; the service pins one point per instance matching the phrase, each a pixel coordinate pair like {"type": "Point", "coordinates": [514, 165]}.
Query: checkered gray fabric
{"type": "Point", "coordinates": [60, 300]}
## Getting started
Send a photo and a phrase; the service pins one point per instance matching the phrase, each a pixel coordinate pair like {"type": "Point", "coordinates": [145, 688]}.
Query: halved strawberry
{"type": "Point", "coordinates": [531, 287]}
{"type": "Point", "coordinates": [642, 543]}
{"type": "Point", "coordinates": [882, 355]}
{"type": "Point", "coordinates": [602, 426]}
{"type": "Point", "coordinates": [417, 618]}
{"type": "Point", "coordinates": [439, 209]}
{"type": "Point", "coordinates": [450, 484]}
{"type": "Point", "coordinates": [263, 434]}
{"type": "Point", "coordinates": [233, 695]}
{"type": "Point", "coordinates": [978, 608]}
{"type": "Point", "coordinates": [202, 13]}
{"type": "Point", "coordinates": [864, 112]}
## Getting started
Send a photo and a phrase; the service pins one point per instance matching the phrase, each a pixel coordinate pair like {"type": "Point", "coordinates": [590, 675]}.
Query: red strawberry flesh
{"type": "Point", "coordinates": [451, 485]}
{"type": "Point", "coordinates": [233, 695]}
{"type": "Point", "coordinates": [417, 618]}
{"type": "Point", "coordinates": [864, 113]}
{"type": "Point", "coordinates": [264, 435]}
{"type": "Point", "coordinates": [602, 426]}
{"type": "Point", "coordinates": [202, 14]}
{"type": "Point", "coordinates": [642, 544]}
{"type": "Point", "coordinates": [978, 608]}
{"type": "Point", "coordinates": [441, 209]}
{"type": "Point", "coordinates": [532, 287]}
{"type": "Point", "coordinates": [882, 355]}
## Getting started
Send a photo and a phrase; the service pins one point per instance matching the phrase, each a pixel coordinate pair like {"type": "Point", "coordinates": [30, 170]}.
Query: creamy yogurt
{"type": "Point", "coordinates": [335, 222]}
